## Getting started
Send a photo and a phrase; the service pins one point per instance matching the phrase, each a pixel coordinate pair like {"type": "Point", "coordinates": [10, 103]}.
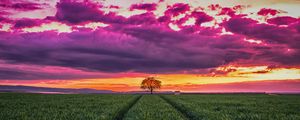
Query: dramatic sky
{"type": "Point", "coordinates": [195, 45]}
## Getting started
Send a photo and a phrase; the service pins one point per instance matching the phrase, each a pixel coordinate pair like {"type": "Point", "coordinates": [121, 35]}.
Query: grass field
{"type": "Point", "coordinates": [238, 107]}
{"type": "Point", "coordinates": [62, 107]}
{"type": "Point", "coordinates": [17, 106]}
{"type": "Point", "coordinates": [152, 107]}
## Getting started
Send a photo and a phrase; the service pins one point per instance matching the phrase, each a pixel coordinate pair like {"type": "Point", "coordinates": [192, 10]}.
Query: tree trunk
{"type": "Point", "coordinates": [151, 91]}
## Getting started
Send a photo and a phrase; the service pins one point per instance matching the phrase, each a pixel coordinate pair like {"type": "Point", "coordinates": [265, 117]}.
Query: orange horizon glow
{"type": "Point", "coordinates": [173, 82]}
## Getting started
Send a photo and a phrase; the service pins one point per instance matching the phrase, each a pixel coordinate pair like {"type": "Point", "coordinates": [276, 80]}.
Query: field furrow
{"type": "Point", "coordinates": [238, 107]}
{"type": "Point", "coordinates": [180, 108]}
{"type": "Point", "coordinates": [152, 107]}
{"type": "Point", "coordinates": [124, 110]}
{"type": "Point", "coordinates": [19, 106]}
{"type": "Point", "coordinates": [62, 107]}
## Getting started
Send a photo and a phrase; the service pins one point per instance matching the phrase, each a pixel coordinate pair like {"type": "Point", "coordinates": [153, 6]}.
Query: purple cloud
{"type": "Point", "coordinates": [145, 43]}
{"type": "Point", "coordinates": [3, 19]}
{"type": "Point", "coordinates": [145, 18]}
{"type": "Point", "coordinates": [284, 20]}
{"type": "Point", "coordinates": [80, 12]}
{"type": "Point", "coordinates": [201, 17]}
{"type": "Point", "coordinates": [283, 42]}
{"type": "Point", "coordinates": [37, 72]}
{"type": "Point", "coordinates": [22, 23]}
{"type": "Point", "coordinates": [214, 6]}
{"type": "Point", "coordinates": [146, 6]}
{"type": "Point", "coordinates": [266, 11]}
{"type": "Point", "coordinates": [227, 11]}
{"type": "Point", "coordinates": [177, 9]}
{"type": "Point", "coordinates": [120, 48]}
{"type": "Point", "coordinates": [266, 32]}
{"type": "Point", "coordinates": [77, 12]}
{"type": "Point", "coordinates": [26, 6]}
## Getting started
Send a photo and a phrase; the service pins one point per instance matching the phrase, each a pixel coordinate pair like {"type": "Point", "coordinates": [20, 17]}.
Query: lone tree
{"type": "Point", "coordinates": [150, 83]}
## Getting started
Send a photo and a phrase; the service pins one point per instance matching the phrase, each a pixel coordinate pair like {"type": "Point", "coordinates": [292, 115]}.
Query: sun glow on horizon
{"type": "Point", "coordinates": [232, 74]}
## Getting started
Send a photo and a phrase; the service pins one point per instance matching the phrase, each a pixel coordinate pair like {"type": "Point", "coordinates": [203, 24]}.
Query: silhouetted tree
{"type": "Point", "coordinates": [150, 83]}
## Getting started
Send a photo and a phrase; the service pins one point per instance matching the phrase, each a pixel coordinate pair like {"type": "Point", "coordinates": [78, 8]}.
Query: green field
{"type": "Point", "coordinates": [17, 106]}
{"type": "Point", "coordinates": [152, 107]}
{"type": "Point", "coordinates": [238, 107]}
{"type": "Point", "coordinates": [62, 107]}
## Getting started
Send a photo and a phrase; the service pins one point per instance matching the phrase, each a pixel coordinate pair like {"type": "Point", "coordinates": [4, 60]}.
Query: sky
{"type": "Point", "coordinates": [191, 46]}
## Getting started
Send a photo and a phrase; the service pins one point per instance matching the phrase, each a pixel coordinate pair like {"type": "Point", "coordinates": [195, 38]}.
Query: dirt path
{"type": "Point", "coordinates": [179, 109]}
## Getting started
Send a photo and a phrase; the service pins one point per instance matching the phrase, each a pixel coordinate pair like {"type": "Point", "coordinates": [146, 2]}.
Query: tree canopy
{"type": "Point", "coordinates": [150, 83]}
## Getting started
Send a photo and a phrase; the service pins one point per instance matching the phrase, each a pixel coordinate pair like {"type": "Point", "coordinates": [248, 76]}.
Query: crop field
{"type": "Point", "coordinates": [153, 107]}
{"type": "Point", "coordinates": [62, 107]}
{"type": "Point", "coordinates": [238, 107]}
{"type": "Point", "coordinates": [18, 106]}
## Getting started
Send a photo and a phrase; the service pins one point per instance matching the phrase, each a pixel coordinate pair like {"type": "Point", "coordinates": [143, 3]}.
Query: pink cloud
{"type": "Point", "coordinates": [145, 18]}
{"type": "Point", "coordinates": [177, 9]}
{"type": "Point", "coordinates": [27, 23]}
{"type": "Point", "coordinates": [266, 11]}
{"type": "Point", "coordinates": [26, 6]}
{"type": "Point", "coordinates": [280, 86]}
{"type": "Point", "coordinates": [214, 7]}
{"type": "Point", "coordinates": [145, 43]}
{"type": "Point", "coordinates": [146, 6]}
{"type": "Point", "coordinates": [283, 20]}
{"type": "Point", "coordinates": [201, 17]}
{"type": "Point", "coordinates": [284, 38]}
{"type": "Point", "coordinates": [227, 11]}
{"type": "Point", "coordinates": [80, 12]}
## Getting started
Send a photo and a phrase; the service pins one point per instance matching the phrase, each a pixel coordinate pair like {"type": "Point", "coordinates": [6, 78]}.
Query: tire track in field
{"type": "Point", "coordinates": [179, 109]}
{"type": "Point", "coordinates": [124, 110]}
